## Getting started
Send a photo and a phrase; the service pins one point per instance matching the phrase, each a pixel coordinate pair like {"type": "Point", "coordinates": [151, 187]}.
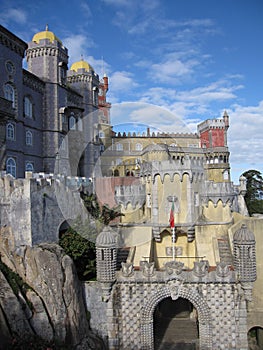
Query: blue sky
{"type": "Point", "coordinates": [189, 59]}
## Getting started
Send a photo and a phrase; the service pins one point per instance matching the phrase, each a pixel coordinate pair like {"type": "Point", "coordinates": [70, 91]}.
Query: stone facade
{"type": "Point", "coordinates": [55, 116]}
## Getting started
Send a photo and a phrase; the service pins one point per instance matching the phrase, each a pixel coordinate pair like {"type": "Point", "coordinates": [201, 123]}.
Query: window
{"type": "Point", "coordinates": [119, 146]}
{"type": "Point", "coordinates": [10, 132]}
{"type": "Point", "coordinates": [29, 138]}
{"type": "Point", "coordinates": [11, 166]}
{"type": "Point", "coordinates": [101, 134]}
{"type": "Point", "coordinates": [95, 96]}
{"type": "Point", "coordinates": [72, 122]}
{"type": "Point", "coordinates": [28, 108]}
{"type": "Point", "coordinates": [63, 145]}
{"type": "Point", "coordinates": [80, 124]}
{"type": "Point", "coordinates": [138, 147]}
{"type": "Point", "coordinates": [29, 166]}
{"type": "Point", "coordinates": [10, 93]}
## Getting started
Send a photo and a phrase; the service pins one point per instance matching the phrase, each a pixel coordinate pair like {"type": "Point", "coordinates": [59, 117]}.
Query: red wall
{"type": "Point", "coordinates": [217, 136]}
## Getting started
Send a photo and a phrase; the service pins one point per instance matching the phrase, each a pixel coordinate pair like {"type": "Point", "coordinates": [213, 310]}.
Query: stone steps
{"type": "Point", "coordinates": [225, 251]}
{"type": "Point", "coordinates": [176, 333]}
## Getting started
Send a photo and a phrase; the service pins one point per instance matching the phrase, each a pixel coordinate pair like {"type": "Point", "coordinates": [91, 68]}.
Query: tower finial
{"type": "Point", "coordinates": [46, 27]}
{"type": "Point", "coordinates": [81, 57]}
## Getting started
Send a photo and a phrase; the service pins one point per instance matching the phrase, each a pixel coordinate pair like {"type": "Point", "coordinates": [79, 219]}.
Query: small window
{"type": "Point", "coordinates": [80, 124]}
{"type": "Point", "coordinates": [138, 147]}
{"type": "Point", "coordinates": [63, 145]}
{"type": "Point", "coordinates": [95, 96]}
{"type": "Point", "coordinates": [29, 138]}
{"type": "Point", "coordinates": [28, 107]}
{"type": "Point", "coordinates": [11, 166]}
{"type": "Point", "coordinates": [29, 166]}
{"type": "Point", "coordinates": [119, 147]}
{"type": "Point", "coordinates": [10, 132]}
{"type": "Point", "coordinates": [72, 122]}
{"type": "Point", "coordinates": [10, 93]}
{"type": "Point", "coordinates": [101, 134]}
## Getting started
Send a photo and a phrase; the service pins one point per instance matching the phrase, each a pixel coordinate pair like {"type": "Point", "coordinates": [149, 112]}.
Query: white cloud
{"type": "Point", "coordinates": [122, 80]}
{"type": "Point", "coordinates": [78, 44]}
{"type": "Point", "coordinates": [13, 15]}
{"type": "Point", "coordinates": [245, 135]}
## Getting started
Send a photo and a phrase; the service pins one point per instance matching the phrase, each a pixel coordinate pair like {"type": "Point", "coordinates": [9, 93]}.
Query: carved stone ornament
{"type": "Point", "coordinates": [222, 270]}
{"type": "Point", "coordinates": [147, 268]}
{"type": "Point", "coordinates": [174, 267]}
{"type": "Point", "coordinates": [200, 268]}
{"type": "Point", "coordinates": [175, 287]}
{"type": "Point", "coordinates": [127, 269]}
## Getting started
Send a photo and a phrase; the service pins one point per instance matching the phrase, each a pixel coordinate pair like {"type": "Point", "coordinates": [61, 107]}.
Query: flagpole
{"type": "Point", "coordinates": [173, 240]}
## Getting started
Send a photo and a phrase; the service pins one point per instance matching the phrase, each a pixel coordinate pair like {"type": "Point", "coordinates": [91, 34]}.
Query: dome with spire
{"type": "Point", "coordinates": [81, 65]}
{"type": "Point", "coordinates": [46, 34]}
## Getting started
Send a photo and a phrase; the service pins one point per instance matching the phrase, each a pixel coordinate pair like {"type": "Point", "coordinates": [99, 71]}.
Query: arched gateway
{"type": "Point", "coordinates": [175, 289]}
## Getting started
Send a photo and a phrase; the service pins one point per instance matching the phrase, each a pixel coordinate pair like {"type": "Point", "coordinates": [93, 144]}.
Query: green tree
{"type": "Point", "coordinates": [78, 240]}
{"type": "Point", "coordinates": [103, 214]}
{"type": "Point", "coordinates": [82, 251]}
{"type": "Point", "coordinates": [254, 194]}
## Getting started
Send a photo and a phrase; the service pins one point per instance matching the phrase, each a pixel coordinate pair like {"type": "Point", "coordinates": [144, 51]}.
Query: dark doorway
{"type": "Point", "coordinates": [175, 325]}
{"type": "Point", "coordinates": [255, 338]}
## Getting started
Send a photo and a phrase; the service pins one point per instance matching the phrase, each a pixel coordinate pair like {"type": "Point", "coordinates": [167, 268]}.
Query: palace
{"type": "Point", "coordinates": [182, 265]}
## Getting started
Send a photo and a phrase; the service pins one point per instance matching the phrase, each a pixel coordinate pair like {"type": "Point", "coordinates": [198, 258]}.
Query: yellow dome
{"type": "Point", "coordinates": [81, 65]}
{"type": "Point", "coordinates": [46, 34]}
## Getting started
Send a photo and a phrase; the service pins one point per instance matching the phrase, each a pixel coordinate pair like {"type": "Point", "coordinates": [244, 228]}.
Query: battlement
{"type": "Point", "coordinates": [212, 124]}
{"type": "Point", "coordinates": [155, 135]}
{"type": "Point", "coordinates": [36, 206]}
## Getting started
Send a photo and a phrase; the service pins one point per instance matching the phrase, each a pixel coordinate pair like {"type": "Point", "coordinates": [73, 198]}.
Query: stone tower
{"type": "Point", "coordinates": [213, 140]}
{"type": "Point", "coordinates": [83, 78]}
{"type": "Point", "coordinates": [47, 58]}
{"type": "Point", "coordinates": [245, 259]}
{"type": "Point", "coordinates": [106, 259]}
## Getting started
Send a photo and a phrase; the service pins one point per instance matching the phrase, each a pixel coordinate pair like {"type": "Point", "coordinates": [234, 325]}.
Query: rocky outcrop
{"type": "Point", "coordinates": [48, 301]}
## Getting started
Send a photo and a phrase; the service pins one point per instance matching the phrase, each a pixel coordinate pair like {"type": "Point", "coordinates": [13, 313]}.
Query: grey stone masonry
{"type": "Point", "coordinates": [216, 295]}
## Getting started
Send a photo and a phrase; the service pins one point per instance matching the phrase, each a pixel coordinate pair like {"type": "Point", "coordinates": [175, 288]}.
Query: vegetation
{"type": "Point", "coordinates": [254, 195]}
{"type": "Point", "coordinates": [82, 251]}
{"type": "Point", "coordinates": [78, 242]}
{"type": "Point", "coordinates": [103, 214]}
{"type": "Point", "coordinates": [35, 342]}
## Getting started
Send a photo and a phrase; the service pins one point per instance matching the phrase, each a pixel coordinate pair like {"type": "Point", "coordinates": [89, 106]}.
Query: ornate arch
{"type": "Point", "coordinates": [176, 289]}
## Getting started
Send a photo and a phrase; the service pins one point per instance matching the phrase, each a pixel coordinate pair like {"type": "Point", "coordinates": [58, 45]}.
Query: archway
{"type": "Point", "coordinates": [176, 289]}
{"type": "Point", "coordinates": [255, 338]}
{"type": "Point", "coordinates": [175, 325]}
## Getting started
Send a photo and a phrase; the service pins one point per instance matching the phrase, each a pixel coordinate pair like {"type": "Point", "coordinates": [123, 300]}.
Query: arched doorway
{"type": "Point", "coordinates": [255, 338]}
{"type": "Point", "coordinates": [175, 325]}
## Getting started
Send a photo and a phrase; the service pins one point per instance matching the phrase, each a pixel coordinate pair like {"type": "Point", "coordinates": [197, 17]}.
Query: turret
{"type": "Point", "coordinates": [245, 259]}
{"type": "Point", "coordinates": [106, 259]}
{"type": "Point", "coordinates": [213, 140]}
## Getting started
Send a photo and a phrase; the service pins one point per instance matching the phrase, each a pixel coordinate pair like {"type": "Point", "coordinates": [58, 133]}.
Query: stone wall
{"type": "Point", "coordinates": [36, 207]}
{"type": "Point", "coordinates": [216, 295]}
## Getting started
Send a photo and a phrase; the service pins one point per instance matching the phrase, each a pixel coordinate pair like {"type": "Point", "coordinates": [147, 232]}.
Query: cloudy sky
{"type": "Point", "coordinates": [169, 62]}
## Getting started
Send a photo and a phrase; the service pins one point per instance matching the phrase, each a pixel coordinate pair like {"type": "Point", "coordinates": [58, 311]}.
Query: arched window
{"type": "Point", "coordinates": [29, 166]}
{"type": "Point", "coordinates": [95, 96]}
{"type": "Point", "coordinates": [119, 146]}
{"type": "Point", "coordinates": [28, 107]}
{"type": "Point", "coordinates": [72, 122]}
{"type": "Point", "coordinates": [10, 93]}
{"type": "Point", "coordinates": [29, 138]}
{"type": "Point", "coordinates": [10, 131]}
{"type": "Point", "coordinates": [80, 124]}
{"type": "Point", "coordinates": [11, 166]}
{"type": "Point", "coordinates": [138, 147]}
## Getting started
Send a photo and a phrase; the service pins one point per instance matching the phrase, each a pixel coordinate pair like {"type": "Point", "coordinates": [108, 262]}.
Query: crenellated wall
{"type": "Point", "coordinates": [36, 207]}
